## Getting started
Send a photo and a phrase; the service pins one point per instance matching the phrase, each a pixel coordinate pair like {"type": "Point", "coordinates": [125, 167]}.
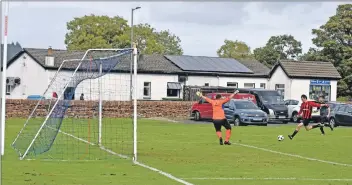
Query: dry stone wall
{"type": "Point", "coordinates": [113, 109]}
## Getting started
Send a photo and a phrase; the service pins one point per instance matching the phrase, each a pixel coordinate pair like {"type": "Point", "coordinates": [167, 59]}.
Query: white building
{"type": "Point", "coordinates": [311, 78]}
{"type": "Point", "coordinates": [159, 77]}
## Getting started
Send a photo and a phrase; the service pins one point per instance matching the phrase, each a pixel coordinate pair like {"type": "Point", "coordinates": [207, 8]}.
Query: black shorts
{"type": "Point", "coordinates": [323, 119]}
{"type": "Point", "coordinates": [305, 122]}
{"type": "Point", "coordinates": [221, 122]}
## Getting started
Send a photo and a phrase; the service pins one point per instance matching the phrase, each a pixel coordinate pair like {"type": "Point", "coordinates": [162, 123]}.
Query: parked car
{"type": "Point", "coordinates": [342, 115]}
{"type": "Point", "coordinates": [204, 110]}
{"type": "Point", "coordinates": [271, 102]}
{"type": "Point", "coordinates": [293, 107]}
{"type": "Point", "coordinates": [244, 112]}
{"type": "Point", "coordinates": [35, 97]}
{"type": "Point", "coordinates": [333, 106]}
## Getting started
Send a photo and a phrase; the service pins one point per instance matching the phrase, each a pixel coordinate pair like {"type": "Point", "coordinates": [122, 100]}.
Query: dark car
{"type": "Point", "coordinates": [271, 102]}
{"type": "Point", "coordinates": [341, 115]}
{"type": "Point", "coordinates": [244, 112]}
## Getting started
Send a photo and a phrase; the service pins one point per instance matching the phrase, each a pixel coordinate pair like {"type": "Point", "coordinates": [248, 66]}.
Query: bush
{"type": "Point", "coordinates": [343, 99]}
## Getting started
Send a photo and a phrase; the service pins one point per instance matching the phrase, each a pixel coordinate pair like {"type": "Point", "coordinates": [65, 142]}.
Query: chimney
{"type": "Point", "coordinates": [50, 51]}
{"type": "Point", "coordinates": [49, 59]}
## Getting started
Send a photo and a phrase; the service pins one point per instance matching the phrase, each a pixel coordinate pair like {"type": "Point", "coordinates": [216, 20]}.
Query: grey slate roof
{"type": "Point", "coordinates": [147, 63]}
{"type": "Point", "coordinates": [12, 50]}
{"type": "Point", "coordinates": [308, 69]}
{"type": "Point", "coordinates": [257, 67]}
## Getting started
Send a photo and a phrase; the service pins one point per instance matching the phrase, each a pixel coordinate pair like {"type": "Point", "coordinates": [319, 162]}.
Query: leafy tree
{"type": "Point", "coordinates": [278, 47]}
{"type": "Point", "coordinates": [267, 55]}
{"type": "Point", "coordinates": [96, 32]}
{"type": "Point", "coordinates": [334, 42]}
{"type": "Point", "coordinates": [287, 45]}
{"type": "Point", "coordinates": [235, 49]}
{"type": "Point", "coordinates": [105, 32]}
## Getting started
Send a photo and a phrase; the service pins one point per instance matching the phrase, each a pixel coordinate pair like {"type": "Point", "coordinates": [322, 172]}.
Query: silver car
{"type": "Point", "coordinates": [244, 112]}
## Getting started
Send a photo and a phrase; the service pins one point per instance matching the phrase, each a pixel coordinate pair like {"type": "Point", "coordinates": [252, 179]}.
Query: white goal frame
{"type": "Point", "coordinates": [132, 89]}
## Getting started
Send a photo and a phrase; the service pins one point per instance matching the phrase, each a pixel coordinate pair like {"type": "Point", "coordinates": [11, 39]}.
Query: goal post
{"type": "Point", "coordinates": [90, 76]}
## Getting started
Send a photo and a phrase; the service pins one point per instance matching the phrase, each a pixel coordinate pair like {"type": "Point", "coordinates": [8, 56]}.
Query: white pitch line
{"type": "Point", "coordinates": [163, 173]}
{"type": "Point", "coordinates": [93, 144]}
{"type": "Point", "coordinates": [126, 157]}
{"type": "Point", "coordinates": [269, 178]}
{"type": "Point", "coordinates": [293, 155]}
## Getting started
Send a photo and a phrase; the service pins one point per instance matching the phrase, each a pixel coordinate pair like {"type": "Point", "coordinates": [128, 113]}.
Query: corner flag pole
{"type": "Point", "coordinates": [3, 89]}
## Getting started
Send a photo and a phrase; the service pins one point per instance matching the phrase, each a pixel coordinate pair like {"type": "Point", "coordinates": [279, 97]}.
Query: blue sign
{"type": "Point", "coordinates": [320, 82]}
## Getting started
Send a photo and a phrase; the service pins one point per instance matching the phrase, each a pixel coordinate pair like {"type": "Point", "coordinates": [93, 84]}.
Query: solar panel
{"type": "Point", "coordinates": [208, 64]}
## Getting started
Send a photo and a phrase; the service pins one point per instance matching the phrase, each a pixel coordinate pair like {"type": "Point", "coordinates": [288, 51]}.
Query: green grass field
{"type": "Point", "coordinates": [190, 152]}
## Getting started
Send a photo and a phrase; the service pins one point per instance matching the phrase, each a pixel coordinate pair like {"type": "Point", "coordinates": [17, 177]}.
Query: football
{"type": "Point", "coordinates": [280, 138]}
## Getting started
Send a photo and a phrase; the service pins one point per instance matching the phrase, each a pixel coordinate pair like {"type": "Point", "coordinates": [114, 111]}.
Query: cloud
{"type": "Point", "coordinates": [202, 27]}
{"type": "Point", "coordinates": [206, 13]}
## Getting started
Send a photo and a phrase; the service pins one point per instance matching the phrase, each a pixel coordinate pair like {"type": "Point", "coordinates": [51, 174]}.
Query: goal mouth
{"type": "Point", "coordinates": [61, 120]}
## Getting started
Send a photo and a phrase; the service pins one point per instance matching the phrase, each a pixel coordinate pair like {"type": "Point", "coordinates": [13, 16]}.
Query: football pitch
{"type": "Point", "coordinates": [190, 152]}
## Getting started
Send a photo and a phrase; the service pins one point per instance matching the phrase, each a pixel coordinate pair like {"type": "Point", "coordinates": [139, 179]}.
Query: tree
{"type": "Point", "coordinates": [267, 55]}
{"type": "Point", "coordinates": [105, 32]}
{"type": "Point", "coordinates": [235, 49]}
{"type": "Point", "coordinates": [96, 32]}
{"type": "Point", "coordinates": [278, 47]}
{"type": "Point", "coordinates": [287, 45]}
{"type": "Point", "coordinates": [334, 42]}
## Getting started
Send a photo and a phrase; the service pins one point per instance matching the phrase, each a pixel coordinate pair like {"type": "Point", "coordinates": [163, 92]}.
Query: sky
{"type": "Point", "coordinates": [201, 26]}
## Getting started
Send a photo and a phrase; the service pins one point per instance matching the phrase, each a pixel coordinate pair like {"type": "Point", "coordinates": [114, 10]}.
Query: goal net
{"type": "Point", "coordinates": [86, 111]}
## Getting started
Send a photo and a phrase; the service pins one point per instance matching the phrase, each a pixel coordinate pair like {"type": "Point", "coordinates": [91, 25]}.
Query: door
{"type": "Point", "coordinates": [205, 109]}
{"type": "Point", "coordinates": [229, 109]}
{"type": "Point", "coordinates": [291, 106]}
{"type": "Point", "coordinates": [348, 116]}
{"type": "Point", "coordinates": [339, 114]}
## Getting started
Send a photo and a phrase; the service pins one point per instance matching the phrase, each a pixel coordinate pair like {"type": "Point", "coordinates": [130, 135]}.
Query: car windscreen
{"type": "Point", "coordinates": [245, 105]}
{"type": "Point", "coordinates": [271, 97]}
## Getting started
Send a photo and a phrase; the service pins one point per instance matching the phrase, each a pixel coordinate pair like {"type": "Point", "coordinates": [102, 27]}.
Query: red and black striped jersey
{"type": "Point", "coordinates": [306, 109]}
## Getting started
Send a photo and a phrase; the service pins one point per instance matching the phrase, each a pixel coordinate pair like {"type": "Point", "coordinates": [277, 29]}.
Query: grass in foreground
{"type": "Point", "coordinates": [191, 151]}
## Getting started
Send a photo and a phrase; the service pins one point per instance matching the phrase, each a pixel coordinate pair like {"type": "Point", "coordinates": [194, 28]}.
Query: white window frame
{"type": "Point", "coordinates": [253, 85]}
{"type": "Point", "coordinates": [281, 89]}
{"type": "Point", "coordinates": [263, 84]}
{"type": "Point", "coordinates": [8, 89]}
{"type": "Point", "coordinates": [232, 84]}
{"type": "Point", "coordinates": [149, 87]}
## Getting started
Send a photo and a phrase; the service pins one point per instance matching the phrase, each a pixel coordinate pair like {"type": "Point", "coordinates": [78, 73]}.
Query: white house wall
{"type": "Point", "coordinates": [222, 81]}
{"type": "Point", "coordinates": [115, 86]}
{"type": "Point", "coordinates": [280, 77]}
{"type": "Point", "coordinates": [301, 86]}
{"type": "Point", "coordinates": [33, 77]}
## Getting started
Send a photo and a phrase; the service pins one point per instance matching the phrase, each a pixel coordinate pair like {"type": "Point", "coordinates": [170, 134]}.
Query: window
{"type": "Point", "coordinates": [262, 85]}
{"type": "Point", "coordinates": [348, 109]}
{"type": "Point", "coordinates": [294, 102]}
{"type": "Point", "coordinates": [281, 89]}
{"type": "Point", "coordinates": [146, 89]}
{"type": "Point", "coordinates": [8, 89]}
{"type": "Point", "coordinates": [249, 85]}
{"type": "Point", "coordinates": [232, 84]}
{"type": "Point", "coordinates": [173, 89]}
{"type": "Point", "coordinates": [318, 90]}
{"type": "Point", "coordinates": [341, 108]}
{"type": "Point", "coordinates": [206, 84]}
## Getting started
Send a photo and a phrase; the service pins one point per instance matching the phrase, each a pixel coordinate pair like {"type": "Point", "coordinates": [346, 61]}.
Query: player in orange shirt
{"type": "Point", "coordinates": [219, 118]}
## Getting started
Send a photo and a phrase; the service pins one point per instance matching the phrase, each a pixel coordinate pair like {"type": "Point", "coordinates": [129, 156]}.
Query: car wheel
{"type": "Point", "coordinates": [237, 121]}
{"type": "Point", "coordinates": [332, 122]}
{"type": "Point", "coordinates": [295, 117]}
{"type": "Point", "coordinates": [197, 116]}
{"type": "Point", "coordinates": [285, 122]}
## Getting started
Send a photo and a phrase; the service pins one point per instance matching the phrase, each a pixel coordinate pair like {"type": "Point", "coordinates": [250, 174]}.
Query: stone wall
{"type": "Point", "coordinates": [115, 109]}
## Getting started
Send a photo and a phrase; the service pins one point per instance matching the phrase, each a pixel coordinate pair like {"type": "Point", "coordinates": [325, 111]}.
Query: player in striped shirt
{"type": "Point", "coordinates": [306, 113]}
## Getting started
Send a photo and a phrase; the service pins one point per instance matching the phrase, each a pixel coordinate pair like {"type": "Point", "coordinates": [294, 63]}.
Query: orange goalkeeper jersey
{"type": "Point", "coordinates": [218, 111]}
